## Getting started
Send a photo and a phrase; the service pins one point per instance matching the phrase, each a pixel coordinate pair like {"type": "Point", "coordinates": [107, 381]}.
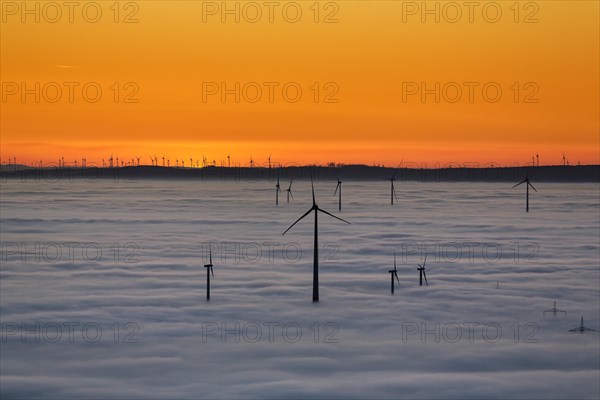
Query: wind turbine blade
{"type": "Point", "coordinates": [394, 259]}
{"type": "Point", "coordinates": [210, 256]}
{"type": "Point", "coordinates": [394, 190]}
{"type": "Point", "coordinates": [532, 186]}
{"type": "Point", "coordinates": [396, 274]}
{"type": "Point", "coordinates": [312, 185]}
{"type": "Point", "coordinates": [212, 272]}
{"type": "Point", "coordinates": [425, 276]}
{"type": "Point", "coordinates": [336, 189]}
{"type": "Point", "coordinates": [425, 261]}
{"type": "Point", "coordinates": [291, 195]}
{"type": "Point", "coordinates": [331, 215]}
{"type": "Point", "coordinates": [397, 169]}
{"type": "Point", "coordinates": [520, 183]}
{"type": "Point", "coordinates": [298, 220]}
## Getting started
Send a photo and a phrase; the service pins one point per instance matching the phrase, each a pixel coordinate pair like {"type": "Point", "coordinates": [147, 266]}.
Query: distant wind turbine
{"type": "Point", "coordinates": [528, 184]}
{"type": "Point", "coordinates": [394, 273]}
{"type": "Point", "coordinates": [582, 328]}
{"type": "Point", "coordinates": [392, 188]}
{"type": "Point", "coordinates": [289, 191]}
{"type": "Point", "coordinates": [554, 310]}
{"type": "Point", "coordinates": [422, 273]}
{"type": "Point", "coordinates": [209, 271]}
{"type": "Point", "coordinates": [277, 190]}
{"type": "Point", "coordinates": [338, 188]}
{"type": "Point", "coordinates": [316, 209]}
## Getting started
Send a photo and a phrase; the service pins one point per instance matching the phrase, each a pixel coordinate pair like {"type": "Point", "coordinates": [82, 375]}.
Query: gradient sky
{"type": "Point", "coordinates": [368, 54]}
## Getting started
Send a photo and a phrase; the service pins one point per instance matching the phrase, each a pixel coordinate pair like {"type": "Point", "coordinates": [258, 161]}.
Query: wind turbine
{"type": "Point", "coordinates": [392, 188]}
{"type": "Point", "coordinates": [554, 310]}
{"type": "Point", "coordinates": [422, 273]}
{"type": "Point", "coordinates": [228, 160]}
{"type": "Point", "coordinates": [564, 159]}
{"type": "Point", "coordinates": [537, 156]}
{"type": "Point", "coordinates": [528, 184]}
{"type": "Point", "coordinates": [339, 188]}
{"type": "Point", "coordinates": [289, 190]}
{"type": "Point", "coordinates": [582, 328]}
{"type": "Point", "coordinates": [209, 271]}
{"type": "Point", "coordinates": [277, 190]}
{"type": "Point", "coordinates": [316, 209]}
{"type": "Point", "coordinates": [163, 158]}
{"type": "Point", "coordinates": [394, 273]}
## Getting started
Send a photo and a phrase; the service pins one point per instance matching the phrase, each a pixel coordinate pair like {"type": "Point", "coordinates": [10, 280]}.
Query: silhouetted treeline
{"type": "Point", "coordinates": [583, 173]}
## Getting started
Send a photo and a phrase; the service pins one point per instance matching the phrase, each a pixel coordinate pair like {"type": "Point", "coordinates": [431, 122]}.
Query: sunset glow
{"type": "Point", "coordinates": [362, 69]}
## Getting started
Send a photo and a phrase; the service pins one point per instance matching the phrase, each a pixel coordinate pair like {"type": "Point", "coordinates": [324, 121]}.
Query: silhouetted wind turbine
{"type": "Point", "coordinates": [289, 191]}
{"type": "Point", "coordinates": [163, 158]}
{"type": "Point", "coordinates": [209, 271]}
{"type": "Point", "coordinates": [564, 159]}
{"type": "Point", "coordinates": [582, 328]}
{"type": "Point", "coordinates": [339, 188]}
{"type": "Point", "coordinates": [277, 190]}
{"type": "Point", "coordinates": [316, 209]}
{"type": "Point", "coordinates": [392, 188]}
{"type": "Point", "coordinates": [422, 273]}
{"type": "Point", "coordinates": [394, 273]}
{"type": "Point", "coordinates": [554, 310]}
{"type": "Point", "coordinates": [528, 184]}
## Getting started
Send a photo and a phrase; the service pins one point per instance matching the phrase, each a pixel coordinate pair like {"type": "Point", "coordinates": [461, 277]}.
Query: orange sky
{"type": "Point", "coordinates": [370, 58]}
